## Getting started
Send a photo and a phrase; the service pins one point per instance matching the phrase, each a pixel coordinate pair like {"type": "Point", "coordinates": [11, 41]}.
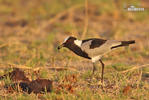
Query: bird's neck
{"type": "Point", "coordinates": [78, 42]}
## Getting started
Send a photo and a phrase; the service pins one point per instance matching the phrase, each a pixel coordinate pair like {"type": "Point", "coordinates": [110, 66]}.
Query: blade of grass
{"type": "Point", "coordinates": [134, 68]}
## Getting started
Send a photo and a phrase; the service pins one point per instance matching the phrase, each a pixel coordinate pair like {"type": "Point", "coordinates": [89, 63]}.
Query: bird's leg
{"type": "Point", "coordinates": [94, 68]}
{"type": "Point", "coordinates": [102, 71]}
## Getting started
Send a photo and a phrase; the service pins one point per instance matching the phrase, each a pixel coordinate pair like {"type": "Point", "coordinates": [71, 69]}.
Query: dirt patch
{"type": "Point", "coordinates": [16, 75]}
{"type": "Point", "coordinates": [20, 83]}
{"type": "Point", "coordinates": [35, 86]}
{"type": "Point", "coordinates": [127, 89]}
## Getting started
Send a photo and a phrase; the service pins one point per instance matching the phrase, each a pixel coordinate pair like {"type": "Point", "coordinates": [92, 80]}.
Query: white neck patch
{"type": "Point", "coordinates": [78, 42]}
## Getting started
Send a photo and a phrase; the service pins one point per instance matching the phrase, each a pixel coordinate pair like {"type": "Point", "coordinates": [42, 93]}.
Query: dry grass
{"type": "Point", "coordinates": [30, 33]}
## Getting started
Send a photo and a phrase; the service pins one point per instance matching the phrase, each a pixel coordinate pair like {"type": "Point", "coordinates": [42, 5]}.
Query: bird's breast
{"type": "Point", "coordinates": [77, 50]}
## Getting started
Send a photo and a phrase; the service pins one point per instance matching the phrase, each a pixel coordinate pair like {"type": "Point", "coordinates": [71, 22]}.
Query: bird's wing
{"type": "Point", "coordinates": [89, 45]}
{"type": "Point", "coordinates": [93, 43]}
{"type": "Point", "coordinates": [96, 47]}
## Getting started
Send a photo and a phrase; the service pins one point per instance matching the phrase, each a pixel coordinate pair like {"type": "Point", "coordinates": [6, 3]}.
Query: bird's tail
{"type": "Point", "coordinates": [124, 43]}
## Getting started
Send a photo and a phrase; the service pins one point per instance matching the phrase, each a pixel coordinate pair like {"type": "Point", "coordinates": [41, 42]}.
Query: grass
{"type": "Point", "coordinates": [35, 46]}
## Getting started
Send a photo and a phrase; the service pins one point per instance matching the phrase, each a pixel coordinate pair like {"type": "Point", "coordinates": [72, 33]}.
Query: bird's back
{"type": "Point", "coordinates": [95, 47]}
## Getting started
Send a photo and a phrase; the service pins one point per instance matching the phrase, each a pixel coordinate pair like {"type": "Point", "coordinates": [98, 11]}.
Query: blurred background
{"type": "Point", "coordinates": [31, 30]}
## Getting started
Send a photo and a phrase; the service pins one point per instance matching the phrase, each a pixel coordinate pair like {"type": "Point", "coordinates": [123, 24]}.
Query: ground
{"type": "Point", "coordinates": [31, 30]}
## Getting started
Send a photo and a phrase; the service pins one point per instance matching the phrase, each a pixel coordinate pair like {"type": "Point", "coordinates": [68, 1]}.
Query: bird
{"type": "Point", "coordinates": [93, 48]}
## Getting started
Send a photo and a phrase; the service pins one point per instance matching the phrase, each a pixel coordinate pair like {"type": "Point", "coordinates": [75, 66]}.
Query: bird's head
{"type": "Point", "coordinates": [67, 41]}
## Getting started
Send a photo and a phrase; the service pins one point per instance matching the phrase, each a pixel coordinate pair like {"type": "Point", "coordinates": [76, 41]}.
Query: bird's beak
{"type": "Point", "coordinates": [60, 46]}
